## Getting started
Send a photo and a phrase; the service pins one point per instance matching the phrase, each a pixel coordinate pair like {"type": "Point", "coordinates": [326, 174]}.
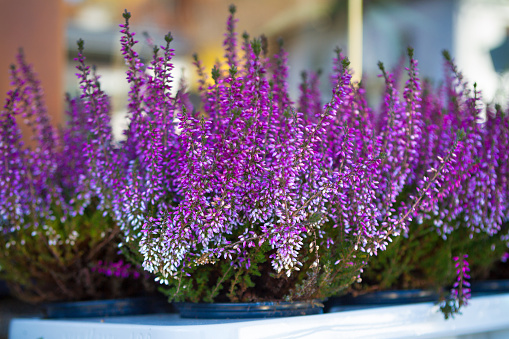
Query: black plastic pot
{"type": "Point", "coordinates": [248, 310]}
{"type": "Point", "coordinates": [4, 290]}
{"type": "Point", "coordinates": [106, 308]}
{"type": "Point", "coordinates": [488, 287]}
{"type": "Point", "coordinates": [380, 299]}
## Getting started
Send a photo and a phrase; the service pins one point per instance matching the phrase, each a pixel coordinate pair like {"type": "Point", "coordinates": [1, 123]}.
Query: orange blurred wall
{"type": "Point", "coordinates": [38, 27]}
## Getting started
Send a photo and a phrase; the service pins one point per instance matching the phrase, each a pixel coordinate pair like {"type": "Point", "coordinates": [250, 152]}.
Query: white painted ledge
{"type": "Point", "coordinates": [485, 317]}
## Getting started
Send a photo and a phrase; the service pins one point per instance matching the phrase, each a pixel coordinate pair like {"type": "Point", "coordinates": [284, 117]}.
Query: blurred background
{"type": "Point", "coordinates": [474, 31]}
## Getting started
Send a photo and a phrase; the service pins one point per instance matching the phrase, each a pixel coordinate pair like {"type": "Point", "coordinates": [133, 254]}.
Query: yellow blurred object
{"type": "Point", "coordinates": [355, 38]}
{"type": "Point", "coordinates": [210, 56]}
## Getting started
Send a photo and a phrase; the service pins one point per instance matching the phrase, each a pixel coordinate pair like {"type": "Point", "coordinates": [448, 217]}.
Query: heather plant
{"type": "Point", "coordinates": [55, 191]}
{"type": "Point", "coordinates": [250, 196]}
{"type": "Point", "coordinates": [468, 216]}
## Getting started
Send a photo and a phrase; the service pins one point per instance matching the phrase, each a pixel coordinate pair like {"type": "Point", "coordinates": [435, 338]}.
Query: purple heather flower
{"type": "Point", "coordinates": [230, 42]}
{"type": "Point", "coordinates": [117, 269]}
{"type": "Point", "coordinates": [252, 159]}
{"type": "Point", "coordinates": [28, 174]}
{"type": "Point", "coordinates": [460, 292]}
{"type": "Point", "coordinates": [250, 168]}
{"type": "Point", "coordinates": [58, 175]}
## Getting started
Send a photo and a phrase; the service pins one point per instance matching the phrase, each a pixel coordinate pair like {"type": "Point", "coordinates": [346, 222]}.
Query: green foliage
{"type": "Point", "coordinates": [420, 260]}
{"type": "Point", "coordinates": [168, 37]}
{"type": "Point", "coordinates": [56, 261]}
{"type": "Point", "coordinates": [256, 45]}
{"type": "Point", "coordinates": [322, 274]}
{"type": "Point", "coordinates": [424, 259]}
{"type": "Point", "coordinates": [446, 55]}
{"type": "Point", "coordinates": [126, 14]}
{"type": "Point", "coordinates": [215, 73]}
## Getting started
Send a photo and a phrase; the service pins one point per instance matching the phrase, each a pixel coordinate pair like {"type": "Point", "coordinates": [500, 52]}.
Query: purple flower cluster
{"type": "Point", "coordinates": [253, 170]}
{"type": "Point", "coordinates": [464, 192]}
{"type": "Point", "coordinates": [57, 175]}
{"type": "Point", "coordinates": [461, 288]}
{"type": "Point", "coordinates": [27, 176]}
{"type": "Point", "coordinates": [249, 168]}
{"type": "Point", "coordinates": [477, 197]}
{"type": "Point", "coordinates": [460, 293]}
{"type": "Point", "coordinates": [248, 176]}
{"type": "Point", "coordinates": [148, 154]}
{"type": "Point", "coordinates": [90, 130]}
{"type": "Point", "coordinates": [116, 269]}
{"type": "Point", "coordinates": [56, 189]}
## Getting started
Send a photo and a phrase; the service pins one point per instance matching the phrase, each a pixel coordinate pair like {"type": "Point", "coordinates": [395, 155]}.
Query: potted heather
{"type": "Point", "coordinates": [58, 241]}
{"type": "Point", "coordinates": [468, 220]}
{"type": "Point", "coordinates": [250, 197]}
{"type": "Point", "coordinates": [492, 275]}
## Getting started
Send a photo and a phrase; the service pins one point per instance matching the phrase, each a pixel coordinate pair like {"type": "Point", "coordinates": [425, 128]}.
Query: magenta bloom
{"type": "Point", "coordinates": [252, 189]}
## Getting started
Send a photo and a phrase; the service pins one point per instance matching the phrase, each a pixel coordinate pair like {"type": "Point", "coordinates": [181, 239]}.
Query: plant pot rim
{"type": "Point", "coordinates": [390, 297]}
{"type": "Point", "coordinates": [105, 307]}
{"type": "Point", "coordinates": [490, 286]}
{"type": "Point", "coordinates": [262, 309]}
{"type": "Point", "coordinates": [282, 303]}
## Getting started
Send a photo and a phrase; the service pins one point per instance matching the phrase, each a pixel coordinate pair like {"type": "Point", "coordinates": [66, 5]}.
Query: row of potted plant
{"type": "Point", "coordinates": [250, 196]}
{"type": "Point", "coordinates": [466, 232]}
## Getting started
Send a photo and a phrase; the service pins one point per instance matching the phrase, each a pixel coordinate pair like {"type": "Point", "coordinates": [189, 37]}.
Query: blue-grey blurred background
{"type": "Point", "coordinates": [474, 31]}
